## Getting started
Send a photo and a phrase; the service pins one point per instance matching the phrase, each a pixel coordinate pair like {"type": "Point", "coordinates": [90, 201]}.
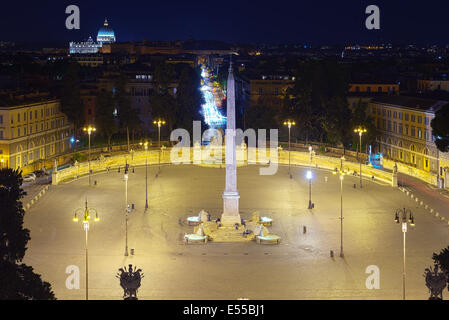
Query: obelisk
{"type": "Point", "coordinates": [231, 196]}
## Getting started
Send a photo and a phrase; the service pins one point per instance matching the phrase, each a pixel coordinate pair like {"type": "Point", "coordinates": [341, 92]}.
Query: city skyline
{"type": "Point", "coordinates": [315, 23]}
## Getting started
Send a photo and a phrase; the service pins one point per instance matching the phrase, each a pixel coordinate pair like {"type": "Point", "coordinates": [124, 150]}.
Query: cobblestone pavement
{"type": "Point", "coordinates": [299, 268]}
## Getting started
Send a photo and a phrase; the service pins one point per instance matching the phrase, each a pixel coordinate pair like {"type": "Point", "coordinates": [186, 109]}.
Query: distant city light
{"type": "Point", "coordinates": [212, 116]}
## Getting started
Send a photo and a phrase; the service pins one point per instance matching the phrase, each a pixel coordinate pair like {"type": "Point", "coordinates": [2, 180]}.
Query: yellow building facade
{"type": "Point", "coordinates": [33, 133]}
{"type": "Point", "coordinates": [431, 85]}
{"type": "Point", "coordinates": [405, 133]}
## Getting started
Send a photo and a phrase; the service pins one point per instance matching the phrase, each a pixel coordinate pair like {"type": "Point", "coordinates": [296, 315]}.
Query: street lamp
{"type": "Point", "coordinates": [309, 177]}
{"type": "Point", "coordinates": [289, 124]}
{"type": "Point", "coordinates": [127, 208]}
{"type": "Point", "coordinates": [360, 131]}
{"type": "Point", "coordinates": [401, 217]}
{"type": "Point", "coordinates": [145, 145]}
{"type": "Point", "coordinates": [159, 124]}
{"type": "Point", "coordinates": [341, 173]}
{"type": "Point", "coordinates": [85, 213]}
{"type": "Point", "coordinates": [89, 131]}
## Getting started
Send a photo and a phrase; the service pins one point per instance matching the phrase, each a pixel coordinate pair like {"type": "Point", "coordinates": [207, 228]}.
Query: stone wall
{"type": "Point", "coordinates": [215, 157]}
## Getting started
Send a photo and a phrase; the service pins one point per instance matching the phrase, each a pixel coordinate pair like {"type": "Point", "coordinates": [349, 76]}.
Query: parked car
{"type": "Point", "coordinates": [31, 177]}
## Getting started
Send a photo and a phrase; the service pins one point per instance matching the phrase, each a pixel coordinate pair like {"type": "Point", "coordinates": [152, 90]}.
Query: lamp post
{"type": "Point", "coordinates": [89, 131]}
{"type": "Point", "coordinates": [401, 217]}
{"type": "Point", "coordinates": [159, 124]}
{"type": "Point", "coordinates": [360, 131]}
{"type": "Point", "coordinates": [309, 177]}
{"type": "Point", "coordinates": [341, 175]}
{"type": "Point", "coordinates": [289, 124]}
{"type": "Point", "coordinates": [127, 209]}
{"type": "Point", "coordinates": [145, 145]}
{"type": "Point", "coordinates": [85, 213]}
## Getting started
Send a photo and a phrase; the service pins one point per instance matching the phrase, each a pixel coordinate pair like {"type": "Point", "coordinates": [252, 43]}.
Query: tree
{"type": "Point", "coordinates": [318, 102]}
{"type": "Point", "coordinates": [104, 117]}
{"type": "Point", "coordinates": [163, 103]}
{"type": "Point", "coordinates": [361, 117]}
{"type": "Point", "coordinates": [13, 237]}
{"type": "Point", "coordinates": [128, 116]}
{"type": "Point", "coordinates": [17, 281]}
{"type": "Point", "coordinates": [442, 259]}
{"type": "Point", "coordinates": [71, 102]}
{"type": "Point", "coordinates": [297, 106]}
{"type": "Point", "coordinates": [261, 117]}
{"type": "Point", "coordinates": [188, 98]}
{"type": "Point", "coordinates": [440, 128]}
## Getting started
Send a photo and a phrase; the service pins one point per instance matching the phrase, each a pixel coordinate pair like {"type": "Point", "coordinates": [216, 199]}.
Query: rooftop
{"type": "Point", "coordinates": [9, 98]}
{"type": "Point", "coordinates": [411, 102]}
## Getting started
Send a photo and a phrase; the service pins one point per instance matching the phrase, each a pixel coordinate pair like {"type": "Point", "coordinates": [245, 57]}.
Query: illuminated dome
{"type": "Point", "coordinates": [106, 34]}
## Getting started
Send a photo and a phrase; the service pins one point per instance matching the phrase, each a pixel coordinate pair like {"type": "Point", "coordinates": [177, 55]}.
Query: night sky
{"type": "Point", "coordinates": [277, 21]}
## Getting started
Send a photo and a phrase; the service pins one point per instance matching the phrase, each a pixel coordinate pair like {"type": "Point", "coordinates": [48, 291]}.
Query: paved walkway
{"type": "Point", "coordinates": [434, 197]}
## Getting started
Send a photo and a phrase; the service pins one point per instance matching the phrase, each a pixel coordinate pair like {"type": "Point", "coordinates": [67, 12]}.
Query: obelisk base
{"type": "Point", "coordinates": [231, 215]}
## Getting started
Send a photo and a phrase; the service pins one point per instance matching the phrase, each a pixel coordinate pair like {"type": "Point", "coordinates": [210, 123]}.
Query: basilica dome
{"type": "Point", "coordinates": [106, 34]}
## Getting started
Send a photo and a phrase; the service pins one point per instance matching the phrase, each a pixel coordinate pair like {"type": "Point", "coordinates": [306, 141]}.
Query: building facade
{"type": "Point", "coordinates": [365, 92]}
{"type": "Point", "coordinates": [86, 47]}
{"type": "Point", "coordinates": [89, 60]}
{"type": "Point", "coordinates": [405, 133]}
{"type": "Point", "coordinates": [32, 133]}
{"type": "Point", "coordinates": [432, 85]}
{"type": "Point", "coordinates": [267, 90]}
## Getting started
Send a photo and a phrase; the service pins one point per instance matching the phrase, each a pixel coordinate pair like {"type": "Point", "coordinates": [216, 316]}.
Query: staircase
{"type": "Point", "coordinates": [229, 234]}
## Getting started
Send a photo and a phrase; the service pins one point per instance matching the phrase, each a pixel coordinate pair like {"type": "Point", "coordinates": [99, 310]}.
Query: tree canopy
{"type": "Point", "coordinates": [440, 128]}
{"type": "Point", "coordinates": [105, 120]}
{"type": "Point", "coordinates": [318, 102]}
{"type": "Point", "coordinates": [71, 102]}
{"type": "Point", "coordinates": [442, 259]}
{"type": "Point", "coordinates": [17, 281]}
